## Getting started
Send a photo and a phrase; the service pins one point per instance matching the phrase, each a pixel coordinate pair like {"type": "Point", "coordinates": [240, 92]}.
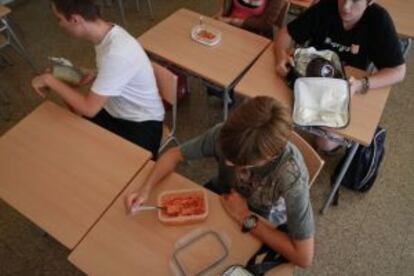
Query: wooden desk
{"type": "Point", "coordinates": [366, 110]}
{"type": "Point", "coordinates": [62, 172]}
{"type": "Point", "coordinates": [304, 4]}
{"type": "Point", "coordinates": [221, 64]}
{"type": "Point", "coordinates": [127, 245]}
{"type": "Point", "coordinates": [401, 12]}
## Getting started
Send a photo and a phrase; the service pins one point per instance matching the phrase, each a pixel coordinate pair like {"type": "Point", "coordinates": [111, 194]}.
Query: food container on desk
{"type": "Point", "coordinates": [200, 252]}
{"type": "Point", "coordinates": [205, 35]}
{"type": "Point", "coordinates": [183, 206]}
{"type": "Point", "coordinates": [64, 70]}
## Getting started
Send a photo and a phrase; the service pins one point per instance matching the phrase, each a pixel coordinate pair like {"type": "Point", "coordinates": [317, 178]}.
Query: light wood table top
{"type": "Point", "coordinates": [301, 3]}
{"type": "Point", "coordinates": [121, 244]}
{"type": "Point", "coordinates": [366, 110]}
{"type": "Point", "coordinates": [221, 64]}
{"type": "Point", "coordinates": [401, 12]}
{"type": "Point", "coordinates": [62, 172]}
{"type": "Point", "coordinates": [4, 11]}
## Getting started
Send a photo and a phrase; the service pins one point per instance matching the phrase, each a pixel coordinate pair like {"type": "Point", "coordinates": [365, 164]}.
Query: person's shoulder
{"type": "Point", "coordinates": [121, 39]}
{"type": "Point", "coordinates": [377, 8]}
{"type": "Point", "coordinates": [376, 13]}
{"type": "Point", "coordinates": [295, 161]}
{"type": "Point", "coordinates": [118, 31]}
{"type": "Point", "coordinates": [122, 46]}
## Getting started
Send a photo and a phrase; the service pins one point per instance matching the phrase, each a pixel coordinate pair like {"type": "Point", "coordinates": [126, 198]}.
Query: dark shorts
{"type": "Point", "coordinates": [146, 134]}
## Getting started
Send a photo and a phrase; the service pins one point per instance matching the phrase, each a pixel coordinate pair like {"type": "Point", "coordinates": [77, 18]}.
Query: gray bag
{"type": "Point", "coordinates": [321, 92]}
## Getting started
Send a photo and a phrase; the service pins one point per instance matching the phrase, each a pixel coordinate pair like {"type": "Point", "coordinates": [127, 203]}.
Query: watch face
{"type": "Point", "coordinates": [249, 223]}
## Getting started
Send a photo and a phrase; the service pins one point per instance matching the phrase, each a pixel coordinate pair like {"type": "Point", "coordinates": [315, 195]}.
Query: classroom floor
{"type": "Point", "coordinates": [367, 234]}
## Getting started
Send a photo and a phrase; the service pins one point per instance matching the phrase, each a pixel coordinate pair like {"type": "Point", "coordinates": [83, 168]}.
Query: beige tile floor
{"type": "Point", "coordinates": [368, 234]}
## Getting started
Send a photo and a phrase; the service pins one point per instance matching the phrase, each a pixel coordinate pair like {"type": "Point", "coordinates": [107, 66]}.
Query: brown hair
{"type": "Point", "coordinates": [85, 8]}
{"type": "Point", "coordinates": [257, 130]}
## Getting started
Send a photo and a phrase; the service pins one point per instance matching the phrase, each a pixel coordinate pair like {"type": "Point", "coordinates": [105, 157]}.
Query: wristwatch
{"type": "Point", "coordinates": [249, 223]}
{"type": "Point", "coordinates": [365, 85]}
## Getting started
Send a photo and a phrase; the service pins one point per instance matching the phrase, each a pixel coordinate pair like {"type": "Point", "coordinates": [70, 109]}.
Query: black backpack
{"type": "Point", "coordinates": [364, 167]}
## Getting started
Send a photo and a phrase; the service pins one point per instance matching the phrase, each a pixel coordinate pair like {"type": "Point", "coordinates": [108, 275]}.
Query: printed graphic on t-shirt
{"type": "Point", "coordinates": [354, 48]}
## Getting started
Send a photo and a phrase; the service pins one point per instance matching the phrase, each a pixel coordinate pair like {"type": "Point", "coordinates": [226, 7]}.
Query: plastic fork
{"type": "Point", "coordinates": [136, 209]}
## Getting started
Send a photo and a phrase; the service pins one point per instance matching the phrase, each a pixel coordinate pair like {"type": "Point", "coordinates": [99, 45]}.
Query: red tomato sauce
{"type": "Point", "coordinates": [183, 205]}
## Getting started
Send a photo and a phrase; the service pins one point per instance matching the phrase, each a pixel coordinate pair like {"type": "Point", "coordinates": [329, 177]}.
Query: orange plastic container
{"type": "Point", "coordinates": [183, 206]}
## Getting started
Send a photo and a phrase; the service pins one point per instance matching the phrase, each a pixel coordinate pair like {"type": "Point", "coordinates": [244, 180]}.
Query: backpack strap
{"type": "Point", "coordinates": [270, 260]}
{"type": "Point", "coordinates": [373, 165]}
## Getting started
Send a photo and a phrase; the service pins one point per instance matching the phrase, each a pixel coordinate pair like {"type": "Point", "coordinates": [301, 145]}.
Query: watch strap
{"type": "Point", "coordinates": [365, 85]}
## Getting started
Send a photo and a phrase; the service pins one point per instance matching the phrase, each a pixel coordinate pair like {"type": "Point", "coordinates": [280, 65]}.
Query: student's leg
{"type": "Point", "coordinates": [103, 119]}
{"type": "Point", "coordinates": [145, 134]}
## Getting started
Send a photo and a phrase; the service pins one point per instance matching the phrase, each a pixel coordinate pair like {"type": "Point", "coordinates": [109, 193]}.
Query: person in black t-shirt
{"type": "Point", "coordinates": [359, 31]}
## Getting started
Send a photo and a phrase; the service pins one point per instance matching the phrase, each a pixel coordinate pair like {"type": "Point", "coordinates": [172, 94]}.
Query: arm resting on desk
{"type": "Point", "coordinates": [382, 78]}
{"type": "Point", "coordinates": [283, 47]}
{"type": "Point", "coordinates": [299, 252]}
{"type": "Point", "coordinates": [387, 76]}
{"type": "Point", "coordinates": [85, 104]}
{"type": "Point", "coordinates": [164, 166]}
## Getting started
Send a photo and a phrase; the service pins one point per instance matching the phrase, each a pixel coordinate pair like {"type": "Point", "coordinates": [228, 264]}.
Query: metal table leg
{"type": "Point", "coordinates": [226, 101]}
{"type": "Point", "coordinates": [340, 176]}
{"type": "Point", "coordinates": [4, 100]}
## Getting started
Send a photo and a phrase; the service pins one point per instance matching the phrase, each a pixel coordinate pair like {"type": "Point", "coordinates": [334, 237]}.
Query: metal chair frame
{"type": "Point", "coordinates": [12, 40]}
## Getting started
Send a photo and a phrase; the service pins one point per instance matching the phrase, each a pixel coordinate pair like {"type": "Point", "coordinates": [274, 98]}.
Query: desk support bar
{"type": "Point", "coordinates": [226, 101]}
{"type": "Point", "coordinates": [340, 176]}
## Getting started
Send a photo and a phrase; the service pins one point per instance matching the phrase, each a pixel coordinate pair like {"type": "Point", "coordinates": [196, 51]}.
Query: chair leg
{"type": "Point", "coordinates": [150, 9]}
{"type": "Point", "coordinates": [167, 142]}
{"type": "Point", "coordinates": [121, 11]}
{"type": "Point", "coordinates": [405, 44]}
{"type": "Point", "coordinates": [137, 2]}
{"type": "Point", "coordinates": [101, 5]}
{"type": "Point", "coordinates": [175, 140]}
{"type": "Point", "coordinates": [18, 46]}
{"type": "Point", "coordinates": [5, 62]}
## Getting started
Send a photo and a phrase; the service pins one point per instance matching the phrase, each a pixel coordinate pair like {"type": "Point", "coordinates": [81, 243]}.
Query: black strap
{"type": "Point", "coordinates": [270, 260]}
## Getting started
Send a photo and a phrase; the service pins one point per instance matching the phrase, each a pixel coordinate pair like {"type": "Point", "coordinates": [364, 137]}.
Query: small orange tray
{"type": "Point", "coordinates": [176, 202]}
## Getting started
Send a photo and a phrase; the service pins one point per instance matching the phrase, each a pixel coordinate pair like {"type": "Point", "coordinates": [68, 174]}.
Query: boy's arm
{"type": "Point", "coordinates": [382, 78]}
{"type": "Point", "coordinates": [89, 75]}
{"type": "Point", "coordinates": [85, 104]}
{"type": "Point", "coordinates": [164, 166]}
{"type": "Point", "coordinates": [199, 147]}
{"type": "Point", "coordinates": [299, 252]}
{"type": "Point", "coordinates": [283, 47]}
